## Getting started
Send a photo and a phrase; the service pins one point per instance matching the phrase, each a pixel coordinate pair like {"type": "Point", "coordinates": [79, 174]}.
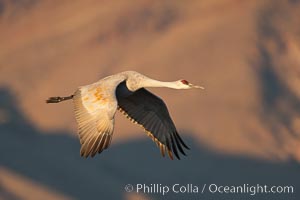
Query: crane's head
{"type": "Point", "coordinates": [184, 84]}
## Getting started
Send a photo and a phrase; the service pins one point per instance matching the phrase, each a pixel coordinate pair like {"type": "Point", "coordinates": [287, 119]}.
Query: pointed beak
{"type": "Point", "coordinates": [196, 86]}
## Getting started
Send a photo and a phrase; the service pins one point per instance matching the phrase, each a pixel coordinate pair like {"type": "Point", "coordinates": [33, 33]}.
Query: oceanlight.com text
{"type": "Point", "coordinates": [249, 189]}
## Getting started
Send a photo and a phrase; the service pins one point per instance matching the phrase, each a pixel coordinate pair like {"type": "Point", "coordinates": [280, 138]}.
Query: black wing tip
{"type": "Point", "coordinates": [174, 151]}
{"type": "Point", "coordinates": [177, 136]}
{"type": "Point", "coordinates": [177, 144]}
{"type": "Point", "coordinates": [185, 145]}
{"type": "Point", "coordinates": [188, 148]}
{"type": "Point", "coordinates": [178, 156]}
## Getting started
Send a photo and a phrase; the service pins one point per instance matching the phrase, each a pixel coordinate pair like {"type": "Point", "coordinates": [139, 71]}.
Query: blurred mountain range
{"type": "Point", "coordinates": [244, 126]}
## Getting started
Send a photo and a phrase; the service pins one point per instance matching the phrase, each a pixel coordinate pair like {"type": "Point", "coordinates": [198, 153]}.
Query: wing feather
{"type": "Point", "coordinates": [95, 125]}
{"type": "Point", "coordinates": [151, 113]}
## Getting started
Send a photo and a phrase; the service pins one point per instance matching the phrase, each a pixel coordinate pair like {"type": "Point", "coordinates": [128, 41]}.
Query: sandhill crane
{"type": "Point", "coordinates": [95, 106]}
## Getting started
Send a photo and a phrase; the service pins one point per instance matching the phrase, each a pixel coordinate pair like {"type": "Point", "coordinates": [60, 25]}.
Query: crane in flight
{"type": "Point", "coordinates": [95, 106]}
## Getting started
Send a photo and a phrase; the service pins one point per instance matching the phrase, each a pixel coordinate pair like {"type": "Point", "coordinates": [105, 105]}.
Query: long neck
{"type": "Point", "coordinates": [135, 81]}
{"type": "Point", "coordinates": [154, 83]}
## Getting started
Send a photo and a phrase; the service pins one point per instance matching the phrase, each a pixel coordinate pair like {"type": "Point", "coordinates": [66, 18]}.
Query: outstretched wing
{"type": "Point", "coordinates": [94, 113]}
{"type": "Point", "coordinates": [150, 112]}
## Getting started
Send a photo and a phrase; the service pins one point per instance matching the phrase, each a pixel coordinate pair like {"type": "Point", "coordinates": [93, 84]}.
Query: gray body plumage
{"type": "Point", "coordinates": [95, 106]}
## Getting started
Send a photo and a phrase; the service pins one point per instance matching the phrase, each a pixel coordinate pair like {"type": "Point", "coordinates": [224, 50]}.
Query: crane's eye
{"type": "Point", "coordinates": [184, 82]}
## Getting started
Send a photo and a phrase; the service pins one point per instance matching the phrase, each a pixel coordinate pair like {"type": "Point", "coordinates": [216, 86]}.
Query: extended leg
{"type": "Point", "coordinates": [58, 99]}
